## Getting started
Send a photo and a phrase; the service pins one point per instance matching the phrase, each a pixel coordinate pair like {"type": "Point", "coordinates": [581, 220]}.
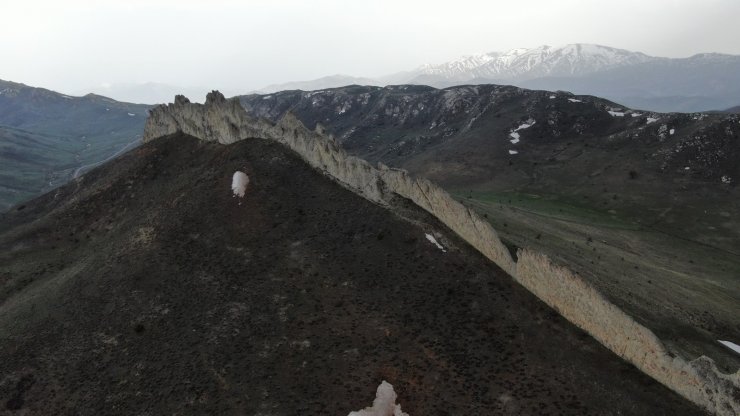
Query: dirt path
{"type": "Point", "coordinates": [79, 170]}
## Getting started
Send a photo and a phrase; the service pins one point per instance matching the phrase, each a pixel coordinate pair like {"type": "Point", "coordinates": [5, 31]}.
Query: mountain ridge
{"type": "Point", "coordinates": [226, 121]}
{"type": "Point", "coordinates": [150, 288]}
{"type": "Point", "coordinates": [599, 186]}
{"type": "Point", "coordinates": [701, 82]}
{"type": "Point", "coordinates": [523, 63]}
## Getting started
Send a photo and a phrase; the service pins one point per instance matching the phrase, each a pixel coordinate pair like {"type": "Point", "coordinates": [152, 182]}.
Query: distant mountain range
{"type": "Point", "coordinates": [47, 138]}
{"type": "Point", "coordinates": [702, 82]}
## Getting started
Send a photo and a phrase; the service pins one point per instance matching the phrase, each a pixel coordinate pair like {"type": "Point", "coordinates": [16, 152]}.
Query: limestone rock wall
{"type": "Point", "coordinates": [226, 121]}
{"type": "Point", "coordinates": [699, 381]}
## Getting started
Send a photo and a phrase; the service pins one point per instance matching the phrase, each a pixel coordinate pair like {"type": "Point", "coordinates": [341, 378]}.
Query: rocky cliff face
{"type": "Point", "coordinates": [225, 121]}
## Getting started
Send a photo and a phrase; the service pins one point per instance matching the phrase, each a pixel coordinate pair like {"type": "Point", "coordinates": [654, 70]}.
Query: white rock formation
{"type": "Point", "coordinates": [239, 183]}
{"type": "Point", "coordinates": [384, 403]}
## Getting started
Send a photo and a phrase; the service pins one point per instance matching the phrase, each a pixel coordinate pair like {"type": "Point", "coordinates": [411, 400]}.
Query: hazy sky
{"type": "Point", "coordinates": [238, 46]}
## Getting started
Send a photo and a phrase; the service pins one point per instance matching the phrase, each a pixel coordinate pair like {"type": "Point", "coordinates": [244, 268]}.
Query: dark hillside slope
{"type": "Point", "coordinates": [145, 287]}
{"type": "Point", "coordinates": [644, 205]}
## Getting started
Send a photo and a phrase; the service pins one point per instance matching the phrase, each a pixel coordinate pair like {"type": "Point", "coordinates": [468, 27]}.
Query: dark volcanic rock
{"type": "Point", "coordinates": [145, 287]}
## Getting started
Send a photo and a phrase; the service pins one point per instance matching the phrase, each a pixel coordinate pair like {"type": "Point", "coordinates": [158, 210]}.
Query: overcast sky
{"type": "Point", "coordinates": [238, 46]}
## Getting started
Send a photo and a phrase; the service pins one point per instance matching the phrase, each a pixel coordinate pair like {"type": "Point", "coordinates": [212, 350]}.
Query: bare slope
{"type": "Point", "coordinates": [145, 286]}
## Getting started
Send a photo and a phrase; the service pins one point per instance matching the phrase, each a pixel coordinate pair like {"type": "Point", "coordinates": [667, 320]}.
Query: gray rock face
{"type": "Point", "coordinates": [225, 121]}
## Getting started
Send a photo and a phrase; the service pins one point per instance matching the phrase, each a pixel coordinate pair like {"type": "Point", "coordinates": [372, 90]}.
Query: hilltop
{"type": "Point", "coordinates": [149, 287]}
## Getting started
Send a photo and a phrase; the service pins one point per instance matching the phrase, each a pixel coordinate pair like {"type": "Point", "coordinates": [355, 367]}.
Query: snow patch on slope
{"type": "Point", "coordinates": [515, 136]}
{"type": "Point", "coordinates": [730, 345]}
{"type": "Point", "coordinates": [434, 241]}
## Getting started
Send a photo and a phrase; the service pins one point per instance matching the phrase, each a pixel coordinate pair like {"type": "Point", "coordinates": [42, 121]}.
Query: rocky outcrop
{"type": "Point", "coordinates": [225, 121]}
{"type": "Point", "coordinates": [699, 381]}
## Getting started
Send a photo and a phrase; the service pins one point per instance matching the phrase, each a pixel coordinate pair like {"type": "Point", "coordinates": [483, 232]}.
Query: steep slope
{"type": "Point", "coordinates": [644, 205]}
{"type": "Point", "coordinates": [575, 297]}
{"type": "Point", "coordinates": [399, 124]}
{"type": "Point", "coordinates": [59, 134]}
{"type": "Point", "coordinates": [145, 286]}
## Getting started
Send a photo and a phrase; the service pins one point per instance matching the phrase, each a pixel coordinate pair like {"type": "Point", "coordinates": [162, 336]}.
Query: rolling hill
{"type": "Point", "coordinates": [48, 138]}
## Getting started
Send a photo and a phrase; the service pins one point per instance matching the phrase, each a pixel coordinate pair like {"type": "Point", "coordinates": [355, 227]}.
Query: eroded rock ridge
{"type": "Point", "coordinates": [226, 121]}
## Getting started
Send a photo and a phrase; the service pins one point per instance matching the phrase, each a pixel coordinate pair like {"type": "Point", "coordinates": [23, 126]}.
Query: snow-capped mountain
{"type": "Point", "coordinates": [543, 61]}
{"type": "Point", "coordinates": [460, 68]}
{"type": "Point", "coordinates": [702, 82]}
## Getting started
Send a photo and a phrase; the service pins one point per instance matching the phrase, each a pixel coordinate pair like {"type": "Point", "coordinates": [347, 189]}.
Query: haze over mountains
{"type": "Point", "coordinates": [701, 82]}
{"type": "Point", "coordinates": [144, 93]}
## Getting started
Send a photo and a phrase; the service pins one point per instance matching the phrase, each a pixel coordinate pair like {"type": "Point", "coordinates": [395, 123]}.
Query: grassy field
{"type": "Point", "coordinates": [685, 291]}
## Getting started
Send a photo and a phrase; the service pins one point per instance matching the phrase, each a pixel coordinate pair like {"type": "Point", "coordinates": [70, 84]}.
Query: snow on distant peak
{"type": "Point", "coordinates": [529, 63]}
{"type": "Point", "coordinates": [460, 67]}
